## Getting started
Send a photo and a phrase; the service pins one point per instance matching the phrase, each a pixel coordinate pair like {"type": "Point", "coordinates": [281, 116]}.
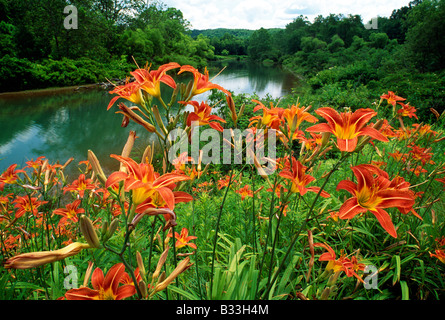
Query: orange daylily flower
{"type": "Point", "coordinates": [145, 183]}
{"type": "Point", "coordinates": [271, 118]}
{"type": "Point", "coordinates": [224, 182]}
{"type": "Point", "coordinates": [347, 126]}
{"type": "Point", "coordinates": [35, 164]}
{"type": "Point", "coordinates": [104, 288]}
{"type": "Point", "coordinates": [439, 254]}
{"type": "Point", "coordinates": [202, 116]}
{"type": "Point", "coordinates": [441, 180]}
{"type": "Point", "coordinates": [70, 211]}
{"type": "Point", "coordinates": [180, 162]}
{"type": "Point", "coordinates": [80, 185]}
{"type": "Point", "coordinates": [150, 81]}
{"type": "Point", "coordinates": [245, 192]}
{"type": "Point", "coordinates": [27, 205]}
{"type": "Point", "coordinates": [183, 239]}
{"type": "Point", "coordinates": [299, 179]}
{"type": "Point", "coordinates": [295, 115]}
{"type": "Point", "coordinates": [9, 176]}
{"type": "Point", "coordinates": [399, 183]}
{"type": "Point", "coordinates": [130, 91]}
{"type": "Point", "coordinates": [421, 154]}
{"type": "Point", "coordinates": [392, 98]}
{"type": "Point", "coordinates": [201, 82]}
{"type": "Point", "coordinates": [343, 263]}
{"type": "Point", "coordinates": [397, 156]}
{"type": "Point", "coordinates": [407, 111]}
{"type": "Point", "coordinates": [373, 192]}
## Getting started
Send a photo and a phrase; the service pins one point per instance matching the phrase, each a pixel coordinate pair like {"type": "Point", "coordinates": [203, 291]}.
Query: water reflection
{"type": "Point", "coordinates": [60, 126]}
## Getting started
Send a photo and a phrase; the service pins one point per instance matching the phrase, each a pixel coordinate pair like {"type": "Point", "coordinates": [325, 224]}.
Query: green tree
{"type": "Point", "coordinates": [424, 38]}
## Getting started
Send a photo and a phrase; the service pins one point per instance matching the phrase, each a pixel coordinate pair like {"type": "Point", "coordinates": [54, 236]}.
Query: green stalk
{"type": "Point", "coordinates": [217, 229]}
{"type": "Point", "coordinates": [303, 225]}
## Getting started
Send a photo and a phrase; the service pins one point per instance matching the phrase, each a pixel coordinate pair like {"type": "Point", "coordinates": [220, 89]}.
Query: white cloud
{"type": "Point", "coordinates": [254, 14]}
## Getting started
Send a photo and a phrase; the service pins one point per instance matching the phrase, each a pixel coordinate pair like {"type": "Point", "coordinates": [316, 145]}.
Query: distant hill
{"type": "Point", "coordinates": [220, 32]}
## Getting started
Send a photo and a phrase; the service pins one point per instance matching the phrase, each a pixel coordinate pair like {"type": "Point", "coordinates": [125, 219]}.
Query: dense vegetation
{"type": "Point", "coordinates": [37, 50]}
{"type": "Point", "coordinates": [350, 206]}
{"type": "Point", "coordinates": [344, 63]}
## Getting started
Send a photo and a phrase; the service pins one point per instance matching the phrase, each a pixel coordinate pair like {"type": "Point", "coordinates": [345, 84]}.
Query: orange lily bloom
{"type": "Point", "coordinates": [349, 266]}
{"type": "Point", "coordinates": [180, 162]}
{"type": "Point", "coordinates": [392, 98]}
{"type": "Point", "coordinates": [295, 115]}
{"type": "Point", "coordinates": [80, 185]}
{"type": "Point", "coordinates": [202, 115]}
{"type": "Point", "coordinates": [183, 239]}
{"type": "Point", "coordinates": [145, 183]}
{"type": "Point", "coordinates": [70, 211]}
{"type": "Point", "coordinates": [347, 126]}
{"type": "Point", "coordinates": [439, 254]}
{"type": "Point", "coordinates": [271, 118]}
{"type": "Point", "coordinates": [201, 82]}
{"type": "Point", "coordinates": [373, 193]}
{"type": "Point", "coordinates": [407, 110]}
{"type": "Point", "coordinates": [9, 176]}
{"type": "Point", "coordinates": [105, 288]}
{"type": "Point", "coordinates": [299, 179]}
{"type": "Point", "coordinates": [35, 164]}
{"type": "Point", "coordinates": [130, 91]}
{"type": "Point", "coordinates": [399, 183]}
{"type": "Point", "coordinates": [25, 205]}
{"type": "Point", "coordinates": [245, 192]}
{"type": "Point", "coordinates": [150, 81]}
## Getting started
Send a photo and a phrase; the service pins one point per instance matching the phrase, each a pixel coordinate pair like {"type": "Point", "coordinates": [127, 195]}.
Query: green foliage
{"type": "Point", "coordinates": [38, 52]}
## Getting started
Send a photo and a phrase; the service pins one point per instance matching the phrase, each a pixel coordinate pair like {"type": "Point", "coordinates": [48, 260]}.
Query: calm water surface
{"type": "Point", "coordinates": [64, 125]}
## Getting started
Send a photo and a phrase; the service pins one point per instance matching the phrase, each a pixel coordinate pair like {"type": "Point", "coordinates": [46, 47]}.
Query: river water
{"type": "Point", "coordinates": [64, 125]}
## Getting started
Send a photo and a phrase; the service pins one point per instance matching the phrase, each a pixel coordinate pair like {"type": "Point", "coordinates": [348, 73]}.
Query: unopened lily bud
{"type": "Point", "coordinates": [325, 294]}
{"type": "Point", "coordinates": [140, 263]}
{"type": "Point", "coordinates": [182, 266]}
{"type": "Point", "coordinates": [104, 228]}
{"type": "Point", "coordinates": [128, 145]}
{"type": "Point", "coordinates": [67, 163]}
{"type": "Point", "coordinates": [186, 93]}
{"type": "Point", "coordinates": [88, 231]}
{"type": "Point", "coordinates": [158, 119]}
{"type": "Point", "coordinates": [161, 262]}
{"type": "Point", "coordinates": [231, 105]}
{"type": "Point", "coordinates": [333, 279]}
{"type": "Point", "coordinates": [325, 136]}
{"type": "Point", "coordinates": [35, 259]}
{"type": "Point", "coordinates": [162, 277]}
{"type": "Point", "coordinates": [378, 125]}
{"type": "Point", "coordinates": [128, 112]}
{"type": "Point", "coordinates": [92, 159]}
{"type": "Point", "coordinates": [88, 274]}
{"type": "Point", "coordinates": [174, 95]}
{"type": "Point", "coordinates": [143, 288]}
{"type": "Point", "coordinates": [241, 110]}
{"type": "Point", "coordinates": [112, 229]}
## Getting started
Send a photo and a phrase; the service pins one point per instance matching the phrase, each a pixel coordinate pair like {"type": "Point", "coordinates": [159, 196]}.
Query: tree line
{"type": "Point", "coordinates": [37, 50]}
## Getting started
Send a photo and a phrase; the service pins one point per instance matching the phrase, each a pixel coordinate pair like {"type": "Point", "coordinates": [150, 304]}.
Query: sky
{"type": "Point", "coordinates": [256, 14]}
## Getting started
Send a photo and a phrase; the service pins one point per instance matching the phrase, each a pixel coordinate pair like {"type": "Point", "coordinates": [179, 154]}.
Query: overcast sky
{"type": "Point", "coordinates": [254, 14]}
